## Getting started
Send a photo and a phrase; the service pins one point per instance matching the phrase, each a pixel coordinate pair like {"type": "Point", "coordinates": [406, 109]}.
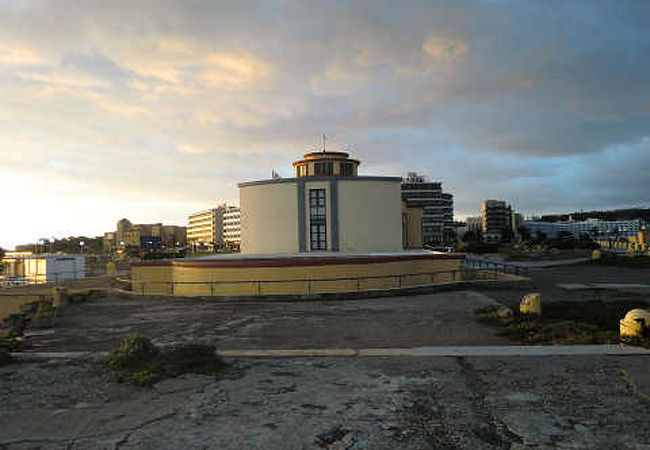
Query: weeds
{"type": "Point", "coordinates": [564, 323]}
{"type": "Point", "coordinates": [138, 361]}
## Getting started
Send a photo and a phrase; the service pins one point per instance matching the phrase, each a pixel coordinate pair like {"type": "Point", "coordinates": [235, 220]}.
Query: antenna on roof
{"type": "Point", "coordinates": [324, 142]}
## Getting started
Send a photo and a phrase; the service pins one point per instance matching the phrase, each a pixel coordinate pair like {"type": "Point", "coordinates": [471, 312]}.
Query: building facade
{"type": "Point", "coordinates": [474, 224]}
{"type": "Point", "coordinates": [28, 268]}
{"type": "Point", "coordinates": [155, 236]}
{"type": "Point", "coordinates": [326, 207]}
{"type": "Point", "coordinates": [606, 230]}
{"type": "Point", "coordinates": [204, 229]}
{"type": "Point", "coordinates": [231, 219]}
{"type": "Point", "coordinates": [214, 228]}
{"type": "Point", "coordinates": [437, 208]}
{"type": "Point", "coordinates": [497, 221]}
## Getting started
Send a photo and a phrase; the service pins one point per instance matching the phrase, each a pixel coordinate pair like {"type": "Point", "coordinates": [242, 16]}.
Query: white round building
{"type": "Point", "coordinates": [326, 231]}
{"type": "Point", "coordinates": [326, 207]}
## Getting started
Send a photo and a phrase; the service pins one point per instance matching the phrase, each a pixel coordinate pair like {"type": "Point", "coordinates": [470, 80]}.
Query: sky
{"type": "Point", "coordinates": [152, 110]}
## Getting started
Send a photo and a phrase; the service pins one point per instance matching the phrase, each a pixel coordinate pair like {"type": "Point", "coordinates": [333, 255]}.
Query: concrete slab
{"type": "Point", "coordinates": [459, 350]}
{"type": "Point", "coordinates": [531, 350]}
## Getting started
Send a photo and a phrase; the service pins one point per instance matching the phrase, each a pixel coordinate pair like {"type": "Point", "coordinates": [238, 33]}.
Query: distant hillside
{"type": "Point", "coordinates": [66, 245]}
{"type": "Point", "coordinates": [618, 214]}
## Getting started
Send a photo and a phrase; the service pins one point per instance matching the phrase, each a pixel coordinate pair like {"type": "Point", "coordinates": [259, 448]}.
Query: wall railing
{"type": "Point", "coordinates": [494, 266]}
{"type": "Point", "coordinates": [309, 286]}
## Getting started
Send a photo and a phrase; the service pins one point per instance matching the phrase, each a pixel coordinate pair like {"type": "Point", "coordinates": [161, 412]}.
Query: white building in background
{"type": "Point", "coordinates": [326, 207]}
{"type": "Point", "coordinates": [231, 218]}
{"type": "Point", "coordinates": [594, 228]}
{"type": "Point", "coordinates": [214, 228]}
{"type": "Point", "coordinates": [27, 268]}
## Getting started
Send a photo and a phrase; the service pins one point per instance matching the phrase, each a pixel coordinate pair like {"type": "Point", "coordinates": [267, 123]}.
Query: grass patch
{"type": "Point", "coordinates": [138, 361]}
{"type": "Point", "coordinates": [564, 323]}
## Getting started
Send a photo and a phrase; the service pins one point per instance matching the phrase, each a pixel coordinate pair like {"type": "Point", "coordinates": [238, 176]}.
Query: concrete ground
{"type": "Point", "coordinates": [338, 403]}
{"type": "Point", "coordinates": [550, 281]}
{"type": "Point", "coordinates": [432, 319]}
{"type": "Point", "coordinates": [409, 402]}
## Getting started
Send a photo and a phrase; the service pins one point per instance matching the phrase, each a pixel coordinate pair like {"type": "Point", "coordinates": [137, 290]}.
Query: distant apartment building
{"type": "Point", "coordinates": [474, 224]}
{"type": "Point", "coordinates": [232, 226]}
{"type": "Point", "coordinates": [497, 221]}
{"type": "Point", "coordinates": [205, 229]}
{"type": "Point", "coordinates": [214, 228]}
{"type": "Point", "coordinates": [437, 208]}
{"type": "Point", "coordinates": [594, 228]}
{"type": "Point", "coordinates": [154, 236]}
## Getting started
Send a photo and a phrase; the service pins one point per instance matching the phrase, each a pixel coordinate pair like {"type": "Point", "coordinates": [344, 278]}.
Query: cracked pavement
{"type": "Point", "coordinates": [466, 402]}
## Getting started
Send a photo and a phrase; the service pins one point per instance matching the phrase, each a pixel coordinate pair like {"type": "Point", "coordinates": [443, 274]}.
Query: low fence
{"type": "Point", "coordinates": [308, 287]}
{"type": "Point", "coordinates": [493, 266]}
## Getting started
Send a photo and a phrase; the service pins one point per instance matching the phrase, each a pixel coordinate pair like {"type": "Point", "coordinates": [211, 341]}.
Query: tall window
{"type": "Point", "coordinates": [317, 219]}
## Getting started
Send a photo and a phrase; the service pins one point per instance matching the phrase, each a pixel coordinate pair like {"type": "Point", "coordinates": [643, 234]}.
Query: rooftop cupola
{"type": "Point", "coordinates": [326, 164]}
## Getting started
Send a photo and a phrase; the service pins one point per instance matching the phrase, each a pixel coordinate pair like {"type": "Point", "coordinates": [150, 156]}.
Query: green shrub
{"type": "Point", "coordinates": [137, 360]}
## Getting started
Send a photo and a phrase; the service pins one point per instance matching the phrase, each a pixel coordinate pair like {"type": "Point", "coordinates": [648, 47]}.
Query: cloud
{"type": "Point", "coordinates": [233, 71]}
{"type": "Point", "coordinates": [445, 49]}
{"type": "Point", "coordinates": [96, 64]}
{"type": "Point", "coordinates": [20, 56]}
{"type": "Point", "coordinates": [511, 100]}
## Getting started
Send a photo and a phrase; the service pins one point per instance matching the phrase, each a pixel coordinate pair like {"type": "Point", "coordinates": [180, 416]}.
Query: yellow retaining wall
{"type": "Point", "coordinates": [193, 279]}
{"type": "Point", "coordinates": [11, 304]}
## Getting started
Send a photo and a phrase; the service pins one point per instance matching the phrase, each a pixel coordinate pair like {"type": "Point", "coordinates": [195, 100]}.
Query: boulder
{"type": "Point", "coordinates": [531, 304]}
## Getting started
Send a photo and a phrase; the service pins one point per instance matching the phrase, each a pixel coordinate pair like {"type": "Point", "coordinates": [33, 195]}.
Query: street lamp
{"type": "Point", "coordinates": [81, 244]}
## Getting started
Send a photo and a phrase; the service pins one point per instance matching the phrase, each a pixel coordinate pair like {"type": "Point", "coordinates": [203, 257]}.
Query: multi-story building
{"type": "Point", "coordinates": [497, 220]}
{"type": "Point", "coordinates": [205, 230]}
{"type": "Point", "coordinates": [594, 228]}
{"type": "Point", "coordinates": [214, 228]}
{"type": "Point", "coordinates": [437, 208]}
{"type": "Point", "coordinates": [154, 236]}
{"type": "Point", "coordinates": [231, 226]}
{"type": "Point", "coordinates": [474, 224]}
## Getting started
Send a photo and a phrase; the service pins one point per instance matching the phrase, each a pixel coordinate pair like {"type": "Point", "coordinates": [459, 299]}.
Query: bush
{"type": "Point", "coordinates": [137, 360]}
{"type": "Point", "coordinates": [589, 322]}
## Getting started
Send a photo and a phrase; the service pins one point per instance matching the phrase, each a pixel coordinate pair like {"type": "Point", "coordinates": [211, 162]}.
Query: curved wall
{"type": "Point", "coordinates": [269, 218]}
{"type": "Point", "coordinates": [370, 215]}
{"type": "Point", "coordinates": [290, 275]}
{"type": "Point", "coordinates": [363, 214]}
